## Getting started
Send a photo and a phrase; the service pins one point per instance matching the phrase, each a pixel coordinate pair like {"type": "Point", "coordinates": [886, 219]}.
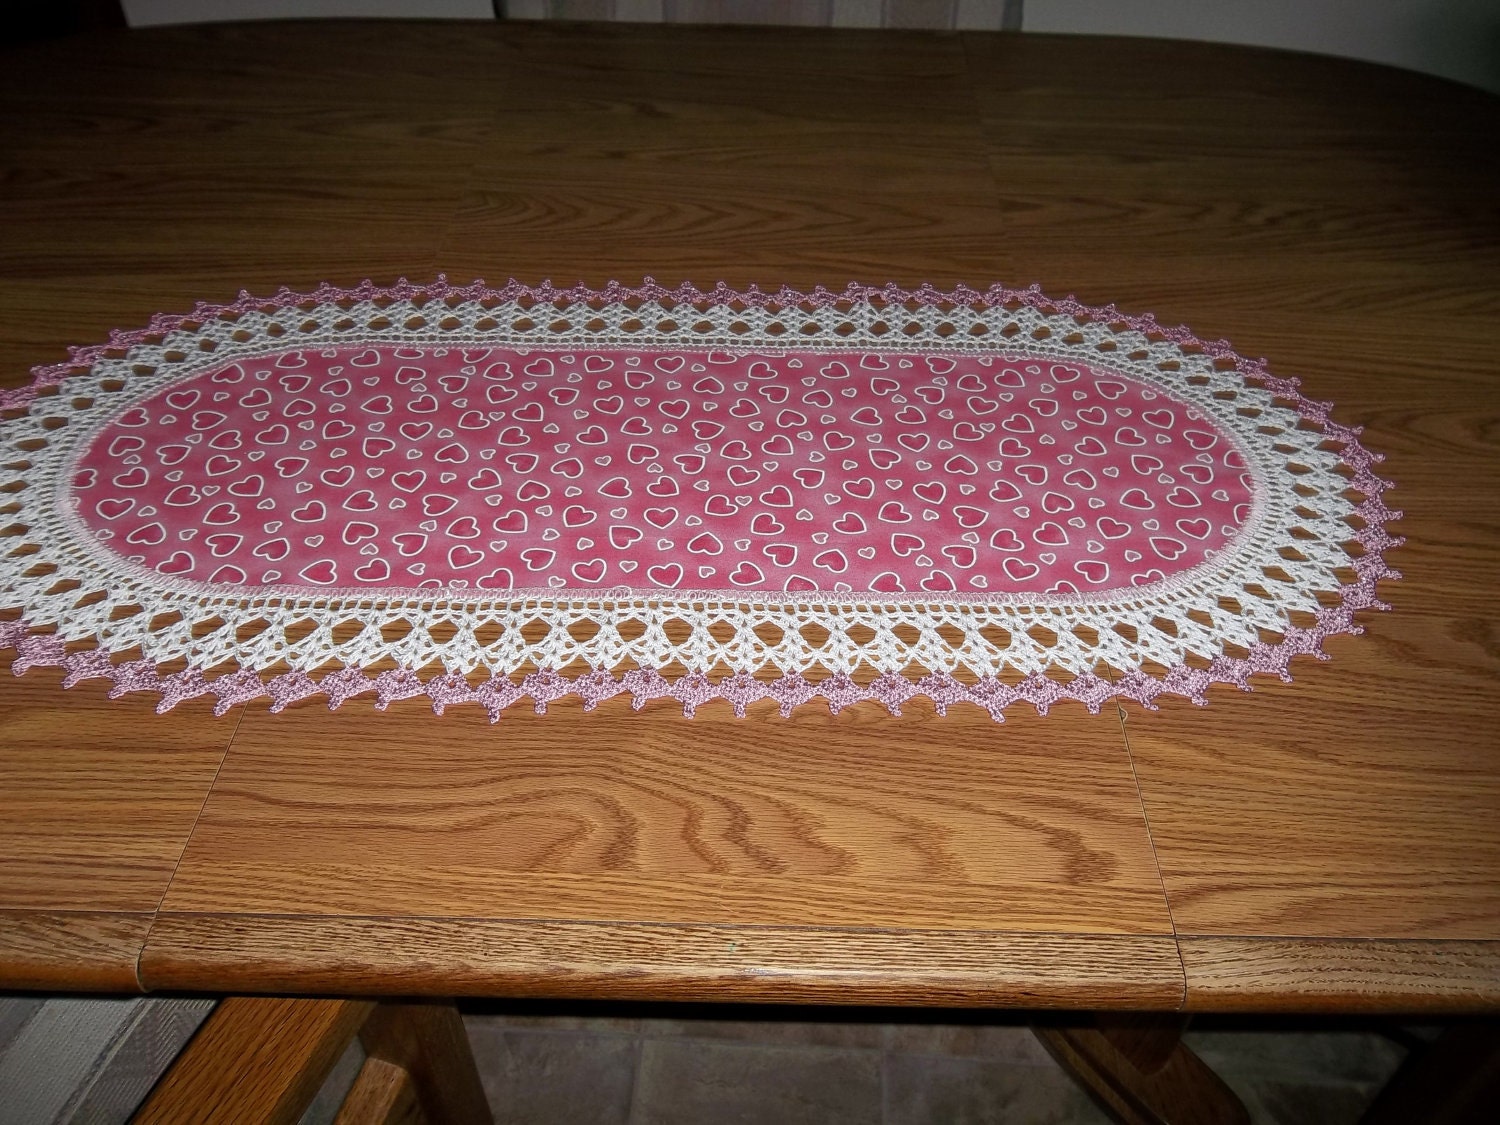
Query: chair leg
{"type": "Point", "coordinates": [429, 1043]}
{"type": "Point", "coordinates": [383, 1094]}
{"type": "Point", "coordinates": [1141, 1073]}
{"type": "Point", "coordinates": [264, 1058]}
{"type": "Point", "coordinates": [256, 1058]}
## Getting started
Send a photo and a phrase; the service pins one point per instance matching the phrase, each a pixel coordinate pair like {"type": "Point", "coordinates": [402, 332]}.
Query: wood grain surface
{"type": "Point", "coordinates": [1298, 975]}
{"type": "Point", "coordinates": [622, 817]}
{"type": "Point", "coordinates": [634, 961]}
{"type": "Point", "coordinates": [382, 1094]}
{"type": "Point", "coordinates": [1335, 217]}
{"type": "Point", "coordinates": [72, 950]}
{"type": "Point", "coordinates": [97, 796]}
{"type": "Point", "coordinates": [254, 1059]}
{"type": "Point", "coordinates": [429, 1043]}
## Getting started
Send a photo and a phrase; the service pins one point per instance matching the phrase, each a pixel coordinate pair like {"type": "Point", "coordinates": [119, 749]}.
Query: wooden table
{"type": "Point", "coordinates": [1330, 844]}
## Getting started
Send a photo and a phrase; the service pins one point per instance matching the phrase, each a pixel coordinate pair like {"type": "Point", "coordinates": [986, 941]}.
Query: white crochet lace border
{"type": "Point", "coordinates": [1307, 559]}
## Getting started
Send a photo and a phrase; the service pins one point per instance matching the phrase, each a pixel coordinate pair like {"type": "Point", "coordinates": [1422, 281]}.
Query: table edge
{"type": "Point", "coordinates": [1334, 975]}
{"type": "Point", "coordinates": [659, 961]}
{"type": "Point", "coordinates": [72, 950]}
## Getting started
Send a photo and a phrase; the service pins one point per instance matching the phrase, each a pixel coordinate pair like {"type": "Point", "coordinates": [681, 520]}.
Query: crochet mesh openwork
{"type": "Point", "coordinates": [1296, 569]}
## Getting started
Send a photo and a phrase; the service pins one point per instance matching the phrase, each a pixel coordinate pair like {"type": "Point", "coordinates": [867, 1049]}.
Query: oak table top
{"type": "Point", "coordinates": [1332, 843]}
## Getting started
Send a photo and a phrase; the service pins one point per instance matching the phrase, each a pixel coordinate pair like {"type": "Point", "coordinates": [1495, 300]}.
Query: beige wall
{"type": "Point", "coordinates": [930, 14]}
{"type": "Point", "coordinates": [145, 13]}
{"type": "Point", "coordinates": [1458, 39]}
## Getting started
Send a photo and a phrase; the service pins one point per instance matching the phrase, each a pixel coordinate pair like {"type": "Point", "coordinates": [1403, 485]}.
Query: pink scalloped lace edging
{"type": "Point", "coordinates": [81, 358]}
{"type": "Point", "coordinates": [695, 689]}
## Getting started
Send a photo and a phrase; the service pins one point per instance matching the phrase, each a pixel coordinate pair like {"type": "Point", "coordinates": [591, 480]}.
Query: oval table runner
{"type": "Point", "coordinates": [483, 495]}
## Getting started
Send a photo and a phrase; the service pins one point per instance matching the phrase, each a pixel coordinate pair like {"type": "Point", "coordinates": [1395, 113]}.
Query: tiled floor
{"type": "Point", "coordinates": [566, 1064]}
{"type": "Point", "coordinates": [607, 1065]}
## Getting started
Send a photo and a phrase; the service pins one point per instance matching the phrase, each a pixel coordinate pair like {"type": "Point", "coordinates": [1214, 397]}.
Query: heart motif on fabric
{"type": "Point", "coordinates": [416, 410]}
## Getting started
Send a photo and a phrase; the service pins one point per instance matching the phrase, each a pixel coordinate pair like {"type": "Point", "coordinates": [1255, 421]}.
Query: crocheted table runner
{"type": "Point", "coordinates": [480, 495]}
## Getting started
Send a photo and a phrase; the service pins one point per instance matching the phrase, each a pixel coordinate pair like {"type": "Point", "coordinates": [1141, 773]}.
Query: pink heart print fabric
{"type": "Point", "coordinates": [505, 469]}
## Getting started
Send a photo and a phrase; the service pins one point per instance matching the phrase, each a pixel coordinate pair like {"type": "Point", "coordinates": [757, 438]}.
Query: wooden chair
{"type": "Point", "coordinates": [263, 1059]}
